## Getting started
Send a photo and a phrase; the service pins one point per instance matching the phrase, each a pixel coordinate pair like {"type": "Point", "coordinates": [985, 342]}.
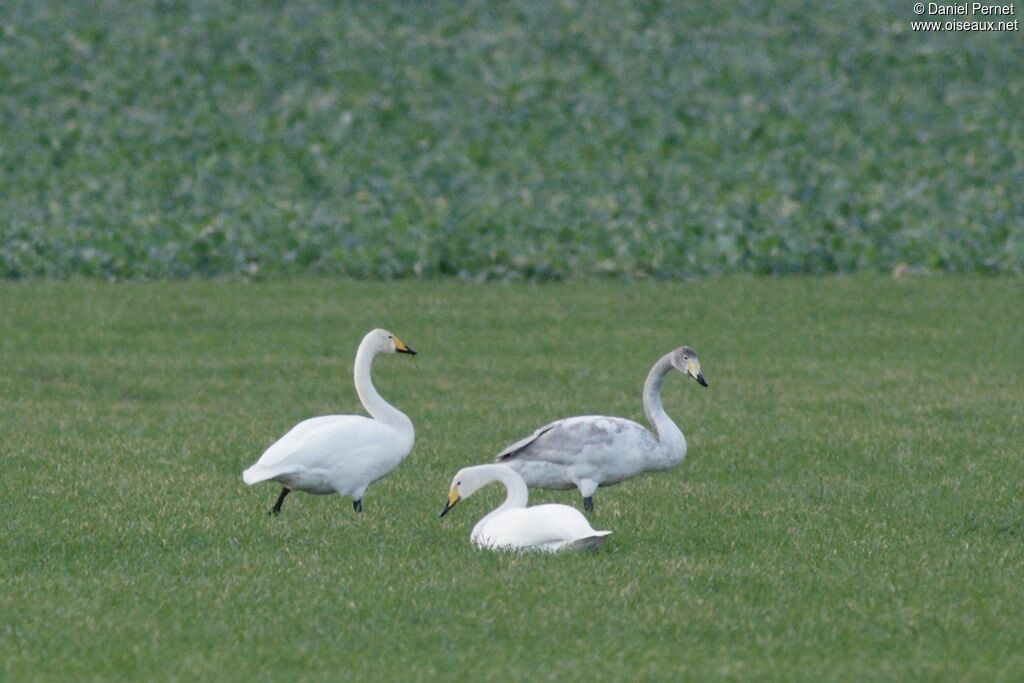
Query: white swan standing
{"type": "Point", "coordinates": [594, 450]}
{"type": "Point", "coordinates": [342, 453]}
{"type": "Point", "coordinates": [512, 525]}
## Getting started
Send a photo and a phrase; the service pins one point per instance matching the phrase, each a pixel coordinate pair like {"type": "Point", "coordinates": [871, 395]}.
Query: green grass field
{"type": "Point", "coordinates": [394, 139]}
{"type": "Point", "coordinates": [850, 509]}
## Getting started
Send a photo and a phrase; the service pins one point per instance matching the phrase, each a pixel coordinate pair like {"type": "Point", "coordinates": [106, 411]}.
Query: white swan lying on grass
{"type": "Point", "coordinates": [512, 525]}
{"type": "Point", "coordinates": [342, 453]}
{"type": "Point", "coordinates": [594, 450]}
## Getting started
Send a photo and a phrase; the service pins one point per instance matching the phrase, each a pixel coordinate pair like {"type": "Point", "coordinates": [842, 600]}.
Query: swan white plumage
{"type": "Point", "coordinates": [512, 525]}
{"type": "Point", "coordinates": [342, 453]}
{"type": "Point", "coordinates": [594, 450]}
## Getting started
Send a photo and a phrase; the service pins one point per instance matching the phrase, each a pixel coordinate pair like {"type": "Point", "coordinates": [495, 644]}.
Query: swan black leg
{"type": "Point", "coordinates": [588, 503]}
{"type": "Point", "coordinates": [276, 510]}
{"type": "Point", "coordinates": [357, 505]}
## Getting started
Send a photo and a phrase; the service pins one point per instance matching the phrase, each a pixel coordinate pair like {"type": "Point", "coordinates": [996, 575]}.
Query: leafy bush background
{"type": "Point", "coordinates": [395, 139]}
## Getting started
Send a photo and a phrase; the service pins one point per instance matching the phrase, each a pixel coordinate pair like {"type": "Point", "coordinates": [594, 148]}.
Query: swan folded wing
{"type": "Point", "coordinates": [563, 441]}
{"type": "Point", "coordinates": [585, 543]}
{"type": "Point", "coordinates": [516, 448]}
{"type": "Point", "coordinates": [538, 526]}
{"type": "Point", "coordinates": [316, 441]}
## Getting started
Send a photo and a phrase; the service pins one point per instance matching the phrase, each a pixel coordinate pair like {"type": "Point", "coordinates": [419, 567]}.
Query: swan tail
{"type": "Point", "coordinates": [254, 476]}
{"type": "Point", "coordinates": [588, 541]}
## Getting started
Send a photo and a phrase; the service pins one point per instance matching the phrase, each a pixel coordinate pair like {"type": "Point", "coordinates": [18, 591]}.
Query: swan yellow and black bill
{"type": "Point", "coordinates": [693, 369]}
{"type": "Point", "coordinates": [401, 346]}
{"type": "Point", "coordinates": [453, 498]}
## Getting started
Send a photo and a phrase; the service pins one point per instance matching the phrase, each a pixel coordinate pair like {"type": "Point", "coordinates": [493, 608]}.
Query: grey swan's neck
{"type": "Point", "coordinates": [670, 438]}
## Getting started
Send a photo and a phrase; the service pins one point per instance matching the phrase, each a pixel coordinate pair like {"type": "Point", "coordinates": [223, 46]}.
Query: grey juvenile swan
{"type": "Point", "coordinates": [595, 450]}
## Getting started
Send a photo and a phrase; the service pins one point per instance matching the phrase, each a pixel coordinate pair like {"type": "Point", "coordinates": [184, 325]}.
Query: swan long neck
{"type": "Point", "coordinates": [516, 493]}
{"type": "Point", "coordinates": [669, 434]}
{"type": "Point", "coordinates": [377, 407]}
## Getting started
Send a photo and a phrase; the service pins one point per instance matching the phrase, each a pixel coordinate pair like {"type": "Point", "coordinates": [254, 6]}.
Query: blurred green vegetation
{"type": "Point", "coordinates": [503, 140]}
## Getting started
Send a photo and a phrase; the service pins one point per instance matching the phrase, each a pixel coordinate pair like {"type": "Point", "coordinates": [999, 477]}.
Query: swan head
{"type": "Point", "coordinates": [465, 483]}
{"type": "Point", "coordinates": [382, 341]}
{"type": "Point", "coordinates": [684, 359]}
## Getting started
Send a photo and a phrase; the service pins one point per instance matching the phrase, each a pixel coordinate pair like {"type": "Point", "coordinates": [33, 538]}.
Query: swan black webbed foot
{"type": "Point", "coordinates": [357, 505]}
{"type": "Point", "coordinates": [588, 503]}
{"type": "Point", "coordinates": [276, 510]}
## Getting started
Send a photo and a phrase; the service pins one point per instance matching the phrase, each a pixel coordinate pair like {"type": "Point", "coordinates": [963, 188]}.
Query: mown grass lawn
{"type": "Point", "coordinates": [851, 506]}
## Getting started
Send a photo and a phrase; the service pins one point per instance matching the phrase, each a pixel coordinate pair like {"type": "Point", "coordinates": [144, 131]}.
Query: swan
{"type": "Point", "coordinates": [342, 453]}
{"type": "Point", "coordinates": [595, 450]}
{"type": "Point", "coordinates": [512, 525]}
